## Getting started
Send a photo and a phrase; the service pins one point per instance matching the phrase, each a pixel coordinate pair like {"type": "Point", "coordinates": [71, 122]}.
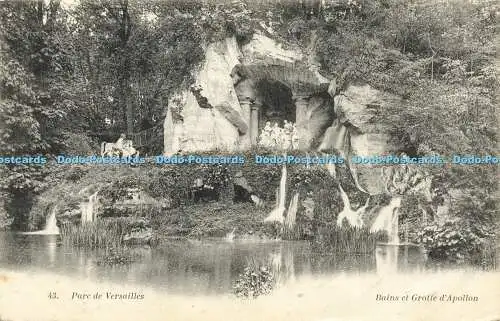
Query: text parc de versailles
{"type": "Point", "coordinates": [257, 159]}
{"type": "Point", "coordinates": [109, 295]}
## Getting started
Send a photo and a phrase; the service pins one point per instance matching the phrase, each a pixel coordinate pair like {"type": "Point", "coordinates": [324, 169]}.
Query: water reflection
{"type": "Point", "coordinates": [387, 258]}
{"type": "Point", "coordinates": [190, 267]}
{"type": "Point", "coordinates": [52, 249]}
{"type": "Point", "coordinates": [392, 258]}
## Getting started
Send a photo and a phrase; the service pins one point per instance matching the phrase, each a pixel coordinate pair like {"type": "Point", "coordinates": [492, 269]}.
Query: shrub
{"type": "Point", "coordinates": [79, 144]}
{"type": "Point", "coordinates": [256, 280]}
{"type": "Point", "coordinates": [456, 241]}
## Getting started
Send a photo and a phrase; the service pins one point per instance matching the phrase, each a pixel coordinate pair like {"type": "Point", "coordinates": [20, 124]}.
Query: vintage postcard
{"type": "Point", "coordinates": [249, 160]}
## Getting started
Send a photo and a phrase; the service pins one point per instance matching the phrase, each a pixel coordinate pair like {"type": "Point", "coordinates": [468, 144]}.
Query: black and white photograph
{"type": "Point", "coordinates": [250, 160]}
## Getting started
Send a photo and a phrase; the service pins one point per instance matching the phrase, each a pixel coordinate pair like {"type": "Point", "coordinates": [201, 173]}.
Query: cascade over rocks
{"type": "Point", "coordinates": [354, 131]}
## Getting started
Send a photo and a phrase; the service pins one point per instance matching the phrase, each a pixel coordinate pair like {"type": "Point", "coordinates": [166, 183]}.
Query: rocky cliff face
{"type": "Point", "coordinates": [223, 109]}
{"type": "Point", "coordinates": [356, 109]}
{"type": "Point", "coordinates": [210, 111]}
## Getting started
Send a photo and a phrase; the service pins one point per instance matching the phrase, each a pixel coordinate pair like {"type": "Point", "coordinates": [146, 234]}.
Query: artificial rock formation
{"type": "Point", "coordinates": [314, 115]}
{"type": "Point", "coordinates": [210, 114]}
{"type": "Point", "coordinates": [358, 106]}
{"type": "Point", "coordinates": [356, 132]}
{"type": "Point", "coordinates": [223, 110]}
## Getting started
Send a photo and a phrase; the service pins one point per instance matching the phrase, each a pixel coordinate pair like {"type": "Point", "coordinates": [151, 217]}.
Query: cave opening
{"type": "Point", "coordinates": [277, 103]}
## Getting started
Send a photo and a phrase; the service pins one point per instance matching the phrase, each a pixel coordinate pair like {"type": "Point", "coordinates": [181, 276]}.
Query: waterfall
{"type": "Point", "coordinates": [230, 236]}
{"type": "Point", "coordinates": [89, 208]}
{"type": "Point", "coordinates": [353, 217]}
{"type": "Point", "coordinates": [282, 193]}
{"type": "Point", "coordinates": [282, 264]}
{"type": "Point", "coordinates": [51, 223]}
{"type": "Point", "coordinates": [275, 260]}
{"type": "Point", "coordinates": [277, 213]}
{"type": "Point", "coordinates": [345, 198]}
{"type": "Point", "coordinates": [331, 169]}
{"type": "Point", "coordinates": [292, 212]}
{"type": "Point", "coordinates": [387, 220]}
{"type": "Point", "coordinates": [354, 175]}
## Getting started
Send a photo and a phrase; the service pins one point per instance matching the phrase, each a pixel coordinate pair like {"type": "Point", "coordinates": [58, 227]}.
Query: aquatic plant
{"type": "Point", "coordinates": [346, 239]}
{"type": "Point", "coordinates": [115, 256]}
{"type": "Point", "coordinates": [101, 233]}
{"type": "Point", "coordinates": [256, 280]}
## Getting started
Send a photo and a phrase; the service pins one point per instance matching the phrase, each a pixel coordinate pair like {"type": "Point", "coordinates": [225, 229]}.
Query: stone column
{"type": "Point", "coordinates": [254, 123]}
{"type": "Point", "coordinates": [246, 140]}
{"type": "Point", "coordinates": [301, 120]}
{"type": "Point", "coordinates": [245, 91]}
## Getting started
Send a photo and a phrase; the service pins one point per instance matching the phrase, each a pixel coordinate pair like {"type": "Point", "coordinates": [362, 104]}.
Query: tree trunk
{"type": "Point", "coordinates": [124, 32]}
{"type": "Point", "coordinates": [129, 110]}
{"type": "Point", "coordinates": [39, 12]}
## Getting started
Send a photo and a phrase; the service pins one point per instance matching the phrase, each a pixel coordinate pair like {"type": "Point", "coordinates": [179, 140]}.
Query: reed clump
{"type": "Point", "coordinates": [97, 234]}
{"type": "Point", "coordinates": [346, 239]}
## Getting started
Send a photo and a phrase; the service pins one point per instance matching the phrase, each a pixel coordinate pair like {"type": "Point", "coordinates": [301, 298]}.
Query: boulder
{"type": "Point", "coordinates": [140, 232]}
{"type": "Point", "coordinates": [221, 101]}
{"type": "Point", "coordinates": [210, 111]}
{"type": "Point", "coordinates": [265, 58]}
{"type": "Point", "coordinates": [139, 236]}
{"type": "Point", "coordinates": [313, 118]}
{"type": "Point", "coordinates": [358, 105]}
{"type": "Point", "coordinates": [262, 49]}
{"type": "Point", "coordinates": [234, 117]}
{"type": "Point", "coordinates": [356, 109]}
{"type": "Point", "coordinates": [196, 137]}
{"type": "Point", "coordinates": [173, 130]}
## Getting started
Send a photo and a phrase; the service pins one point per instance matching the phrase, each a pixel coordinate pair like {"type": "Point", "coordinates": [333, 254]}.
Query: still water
{"type": "Point", "coordinates": [193, 267]}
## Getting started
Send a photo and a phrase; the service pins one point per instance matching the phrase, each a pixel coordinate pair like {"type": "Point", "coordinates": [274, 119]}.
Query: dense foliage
{"type": "Point", "coordinates": [440, 57]}
{"type": "Point", "coordinates": [460, 244]}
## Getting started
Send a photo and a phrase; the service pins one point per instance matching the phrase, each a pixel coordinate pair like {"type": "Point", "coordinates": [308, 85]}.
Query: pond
{"type": "Point", "coordinates": [196, 267]}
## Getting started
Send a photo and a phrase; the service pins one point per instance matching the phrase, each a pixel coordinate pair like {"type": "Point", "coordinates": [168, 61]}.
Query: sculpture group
{"type": "Point", "coordinates": [122, 147]}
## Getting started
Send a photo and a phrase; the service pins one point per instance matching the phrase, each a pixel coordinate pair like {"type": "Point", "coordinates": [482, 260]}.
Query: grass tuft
{"type": "Point", "coordinates": [346, 239]}
{"type": "Point", "coordinates": [98, 234]}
